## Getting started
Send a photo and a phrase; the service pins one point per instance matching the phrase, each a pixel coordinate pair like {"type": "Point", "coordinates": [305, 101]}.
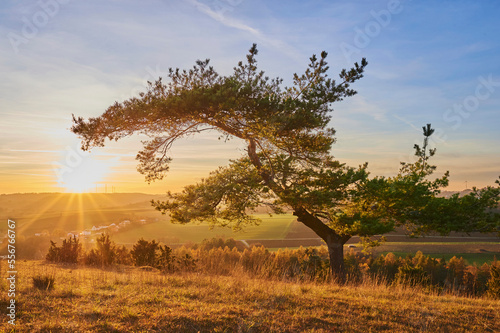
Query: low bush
{"type": "Point", "coordinates": [494, 280]}
{"type": "Point", "coordinates": [411, 276]}
{"type": "Point", "coordinates": [44, 282]}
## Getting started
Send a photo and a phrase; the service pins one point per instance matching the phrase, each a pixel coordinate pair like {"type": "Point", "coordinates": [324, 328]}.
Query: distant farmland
{"type": "Point", "coordinates": [275, 227]}
{"type": "Point", "coordinates": [36, 213]}
{"type": "Point", "coordinates": [49, 212]}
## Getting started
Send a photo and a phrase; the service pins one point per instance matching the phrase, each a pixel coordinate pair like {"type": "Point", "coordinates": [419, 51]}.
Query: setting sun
{"type": "Point", "coordinates": [80, 173]}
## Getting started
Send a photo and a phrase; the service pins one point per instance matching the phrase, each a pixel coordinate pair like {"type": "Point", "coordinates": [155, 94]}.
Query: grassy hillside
{"type": "Point", "coordinates": [136, 300]}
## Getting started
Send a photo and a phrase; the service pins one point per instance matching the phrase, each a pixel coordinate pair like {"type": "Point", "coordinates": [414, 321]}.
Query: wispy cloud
{"type": "Point", "coordinates": [36, 151]}
{"type": "Point", "coordinates": [224, 19]}
{"type": "Point", "coordinates": [407, 122]}
{"type": "Point", "coordinates": [260, 36]}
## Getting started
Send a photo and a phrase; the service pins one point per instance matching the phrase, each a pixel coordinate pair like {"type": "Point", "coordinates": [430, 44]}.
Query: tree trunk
{"type": "Point", "coordinates": [336, 254]}
{"type": "Point", "coordinates": [334, 242]}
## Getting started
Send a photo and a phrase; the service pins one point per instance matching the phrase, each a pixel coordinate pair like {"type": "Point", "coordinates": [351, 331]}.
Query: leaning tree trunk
{"type": "Point", "coordinates": [334, 242]}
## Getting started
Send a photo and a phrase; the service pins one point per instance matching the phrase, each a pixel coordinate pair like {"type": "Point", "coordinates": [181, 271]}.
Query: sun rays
{"type": "Point", "coordinates": [80, 210]}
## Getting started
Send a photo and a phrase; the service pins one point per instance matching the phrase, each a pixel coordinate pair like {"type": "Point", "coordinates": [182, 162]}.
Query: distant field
{"type": "Point", "coordinates": [439, 249]}
{"type": "Point", "coordinates": [471, 258]}
{"type": "Point", "coordinates": [35, 213]}
{"type": "Point", "coordinates": [275, 227]}
{"type": "Point", "coordinates": [75, 221]}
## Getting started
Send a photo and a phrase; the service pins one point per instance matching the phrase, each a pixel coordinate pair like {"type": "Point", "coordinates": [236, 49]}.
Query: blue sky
{"type": "Point", "coordinates": [429, 62]}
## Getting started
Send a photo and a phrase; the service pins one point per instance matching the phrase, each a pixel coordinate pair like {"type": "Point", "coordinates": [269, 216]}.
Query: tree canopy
{"type": "Point", "coordinates": [288, 163]}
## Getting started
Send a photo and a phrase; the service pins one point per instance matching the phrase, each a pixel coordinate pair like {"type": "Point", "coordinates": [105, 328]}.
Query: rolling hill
{"type": "Point", "coordinates": [57, 214]}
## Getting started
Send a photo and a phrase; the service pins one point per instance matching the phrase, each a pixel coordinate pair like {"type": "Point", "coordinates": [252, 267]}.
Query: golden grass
{"type": "Point", "coordinates": [132, 299]}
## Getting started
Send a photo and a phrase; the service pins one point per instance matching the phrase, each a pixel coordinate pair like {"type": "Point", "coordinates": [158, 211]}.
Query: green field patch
{"type": "Point", "coordinates": [477, 259]}
{"type": "Point", "coordinates": [275, 227]}
{"type": "Point", "coordinates": [441, 243]}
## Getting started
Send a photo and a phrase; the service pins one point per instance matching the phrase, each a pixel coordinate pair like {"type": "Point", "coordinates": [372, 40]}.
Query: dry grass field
{"type": "Point", "coordinates": [132, 299]}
